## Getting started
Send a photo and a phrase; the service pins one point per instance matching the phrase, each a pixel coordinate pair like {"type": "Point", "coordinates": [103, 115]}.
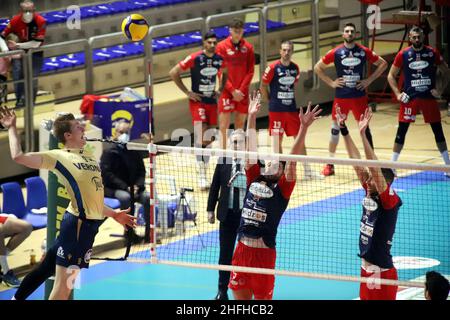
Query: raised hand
{"type": "Point", "coordinates": [309, 116]}
{"type": "Point", "coordinates": [364, 120]}
{"type": "Point", "coordinates": [7, 117]}
{"type": "Point", "coordinates": [255, 103]}
{"type": "Point", "coordinates": [340, 117]}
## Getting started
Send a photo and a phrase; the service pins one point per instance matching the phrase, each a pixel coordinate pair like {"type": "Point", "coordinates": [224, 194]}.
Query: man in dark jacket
{"type": "Point", "coordinates": [123, 174]}
{"type": "Point", "coordinates": [229, 178]}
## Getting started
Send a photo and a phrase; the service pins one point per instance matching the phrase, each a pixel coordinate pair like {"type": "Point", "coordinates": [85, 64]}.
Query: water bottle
{"type": "Point", "coordinates": [32, 257]}
{"type": "Point", "coordinates": [43, 248]}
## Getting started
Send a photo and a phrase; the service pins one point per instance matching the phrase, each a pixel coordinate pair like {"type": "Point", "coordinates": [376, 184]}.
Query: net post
{"type": "Point", "coordinates": [152, 150]}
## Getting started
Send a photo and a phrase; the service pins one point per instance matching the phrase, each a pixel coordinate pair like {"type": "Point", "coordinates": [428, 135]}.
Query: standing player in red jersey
{"type": "Point", "coordinates": [239, 58]}
{"type": "Point", "coordinates": [30, 27]}
{"type": "Point", "coordinates": [204, 66]}
{"type": "Point", "coordinates": [419, 64]}
{"type": "Point", "coordinates": [380, 210]}
{"type": "Point", "coordinates": [349, 60]}
{"type": "Point", "coordinates": [281, 77]}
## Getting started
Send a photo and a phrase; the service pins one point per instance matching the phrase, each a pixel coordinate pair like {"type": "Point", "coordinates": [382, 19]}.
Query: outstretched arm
{"type": "Point", "coordinates": [377, 175]}
{"type": "Point", "coordinates": [253, 108]}
{"type": "Point", "coordinates": [8, 120]}
{"type": "Point", "coordinates": [352, 150]}
{"type": "Point", "coordinates": [121, 216]}
{"type": "Point", "coordinates": [306, 119]}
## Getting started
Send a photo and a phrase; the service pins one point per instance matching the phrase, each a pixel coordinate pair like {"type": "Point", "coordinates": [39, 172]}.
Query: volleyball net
{"type": "Point", "coordinates": [318, 235]}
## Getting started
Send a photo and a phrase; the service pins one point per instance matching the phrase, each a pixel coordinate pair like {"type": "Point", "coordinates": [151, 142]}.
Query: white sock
{"type": "Point", "coordinates": [4, 264]}
{"type": "Point", "coordinates": [13, 298]}
{"type": "Point", "coordinates": [395, 156]}
{"type": "Point", "coordinates": [332, 154]}
{"type": "Point", "coordinates": [445, 157]}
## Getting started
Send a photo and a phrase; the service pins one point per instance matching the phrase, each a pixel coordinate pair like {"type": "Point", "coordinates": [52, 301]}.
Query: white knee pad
{"type": "Point", "coordinates": [335, 130]}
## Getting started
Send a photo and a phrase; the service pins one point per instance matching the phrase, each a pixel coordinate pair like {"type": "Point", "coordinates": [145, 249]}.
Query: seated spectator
{"type": "Point", "coordinates": [5, 64]}
{"type": "Point", "coordinates": [18, 230]}
{"type": "Point", "coordinates": [437, 286]}
{"type": "Point", "coordinates": [123, 175]}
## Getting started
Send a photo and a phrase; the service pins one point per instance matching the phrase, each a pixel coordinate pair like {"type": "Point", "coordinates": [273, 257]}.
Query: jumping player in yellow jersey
{"type": "Point", "coordinates": [80, 174]}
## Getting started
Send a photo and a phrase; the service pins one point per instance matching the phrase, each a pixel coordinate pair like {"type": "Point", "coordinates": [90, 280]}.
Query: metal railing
{"type": "Point", "coordinates": [315, 32]}
{"type": "Point", "coordinates": [198, 23]}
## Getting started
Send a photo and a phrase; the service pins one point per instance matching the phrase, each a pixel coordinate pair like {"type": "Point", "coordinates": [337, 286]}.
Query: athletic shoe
{"type": "Point", "coordinates": [328, 170]}
{"type": "Point", "coordinates": [311, 175]}
{"type": "Point", "coordinates": [11, 280]}
{"type": "Point", "coordinates": [202, 181]}
{"type": "Point", "coordinates": [447, 174]}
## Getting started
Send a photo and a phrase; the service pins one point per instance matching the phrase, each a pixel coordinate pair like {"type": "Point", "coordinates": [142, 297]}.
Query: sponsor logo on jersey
{"type": "Point", "coordinates": [208, 72]}
{"type": "Point", "coordinates": [365, 229]}
{"type": "Point", "coordinates": [369, 204]}
{"type": "Point", "coordinates": [351, 62]}
{"type": "Point", "coordinates": [418, 65]}
{"type": "Point", "coordinates": [60, 252]}
{"type": "Point", "coordinates": [260, 190]}
{"type": "Point", "coordinates": [97, 183]}
{"type": "Point", "coordinates": [230, 52]}
{"type": "Point", "coordinates": [87, 256]}
{"type": "Point", "coordinates": [244, 49]}
{"type": "Point", "coordinates": [289, 80]}
{"type": "Point", "coordinates": [254, 215]}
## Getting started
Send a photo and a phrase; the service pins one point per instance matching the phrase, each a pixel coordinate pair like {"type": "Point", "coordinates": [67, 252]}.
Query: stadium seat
{"type": "Point", "coordinates": [112, 203]}
{"type": "Point", "coordinates": [36, 193]}
{"type": "Point", "coordinates": [13, 203]}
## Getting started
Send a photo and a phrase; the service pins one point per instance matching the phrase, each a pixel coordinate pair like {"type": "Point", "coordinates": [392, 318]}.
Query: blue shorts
{"type": "Point", "coordinates": [74, 243]}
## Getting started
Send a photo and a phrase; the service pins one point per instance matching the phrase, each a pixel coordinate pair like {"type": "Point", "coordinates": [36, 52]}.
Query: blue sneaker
{"type": "Point", "coordinates": [11, 280]}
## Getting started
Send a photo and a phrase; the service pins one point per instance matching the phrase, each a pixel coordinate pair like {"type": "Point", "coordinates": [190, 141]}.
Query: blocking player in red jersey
{"type": "Point", "coordinates": [239, 58]}
{"type": "Point", "coordinates": [268, 193]}
{"type": "Point", "coordinates": [419, 64]}
{"type": "Point", "coordinates": [30, 27]}
{"type": "Point", "coordinates": [379, 218]}
{"type": "Point", "coordinates": [204, 66]}
{"type": "Point", "coordinates": [281, 77]}
{"type": "Point", "coordinates": [349, 60]}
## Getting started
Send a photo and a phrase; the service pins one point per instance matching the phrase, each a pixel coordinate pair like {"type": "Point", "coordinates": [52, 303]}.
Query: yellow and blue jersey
{"type": "Point", "coordinates": [80, 173]}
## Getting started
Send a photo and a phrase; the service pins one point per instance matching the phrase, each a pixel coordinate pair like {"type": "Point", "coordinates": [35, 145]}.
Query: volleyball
{"type": "Point", "coordinates": [135, 27]}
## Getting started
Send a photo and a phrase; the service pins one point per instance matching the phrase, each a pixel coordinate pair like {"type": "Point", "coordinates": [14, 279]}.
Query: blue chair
{"type": "Point", "coordinates": [14, 203]}
{"type": "Point", "coordinates": [36, 193]}
{"type": "Point", "coordinates": [112, 203]}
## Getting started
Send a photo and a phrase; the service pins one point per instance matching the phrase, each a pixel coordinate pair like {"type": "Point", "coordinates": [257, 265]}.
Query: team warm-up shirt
{"type": "Point", "coordinates": [378, 226]}
{"type": "Point", "coordinates": [80, 173]}
{"type": "Point", "coordinates": [349, 65]}
{"type": "Point", "coordinates": [419, 70]}
{"type": "Point", "coordinates": [204, 72]}
{"type": "Point", "coordinates": [264, 205]}
{"type": "Point", "coordinates": [281, 80]}
{"type": "Point", "coordinates": [35, 30]}
{"type": "Point", "coordinates": [240, 62]}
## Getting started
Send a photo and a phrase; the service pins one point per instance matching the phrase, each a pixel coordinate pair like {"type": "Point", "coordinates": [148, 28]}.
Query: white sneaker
{"type": "Point", "coordinates": [312, 175]}
{"type": "Point", "coordinates": [202, 181]}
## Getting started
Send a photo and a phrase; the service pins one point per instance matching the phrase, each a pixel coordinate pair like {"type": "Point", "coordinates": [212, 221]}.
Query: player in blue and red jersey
{"type": "Point", "coordinates": [268, 192]}
{"type": "Point", "coordinates": [349, 60]}
{"type": "Point", "coordinates": [30, 27]}
{"type": "Point", "coordinates": [419, 64]}
{"type": "Point", "coordinates": [204, 66]}
{"type": "Point", "coordinates": [379, 218]}
{"type": "Point", "coordinates": [278, 88]}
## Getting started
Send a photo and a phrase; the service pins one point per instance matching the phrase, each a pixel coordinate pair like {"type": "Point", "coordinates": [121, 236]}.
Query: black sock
{"type": "Point", "coordinates": [37, 277]}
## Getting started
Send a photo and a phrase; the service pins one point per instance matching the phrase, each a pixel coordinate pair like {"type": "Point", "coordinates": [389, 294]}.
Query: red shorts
{"type": "Point", "coordinates": [203, 112]}
{"type": "Point", "coordinates": [357, 105]}
{"type": "Point", "coordinates": [284, 122]}
{"type": "Point", "coordinates": [428, 107]}
{"type": "Point", "coordinates": [227, 104]}
{"type": "Point", "coordinates": [260, 284]}
{"type": "Point", "coordinates": [374, 291]}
